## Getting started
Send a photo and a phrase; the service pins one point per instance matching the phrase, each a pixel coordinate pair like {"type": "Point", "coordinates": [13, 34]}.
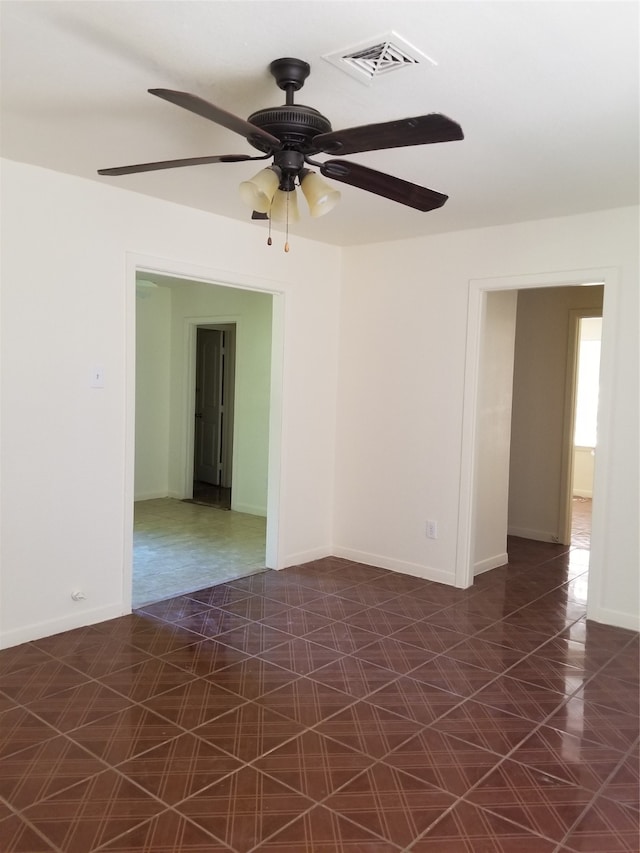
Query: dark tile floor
{"type": "Point", "coordinates": [331, 707]}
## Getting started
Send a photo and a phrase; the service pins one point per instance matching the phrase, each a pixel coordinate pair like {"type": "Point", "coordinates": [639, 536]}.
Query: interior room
{"type": "Point", "coordinates": [415, 650]}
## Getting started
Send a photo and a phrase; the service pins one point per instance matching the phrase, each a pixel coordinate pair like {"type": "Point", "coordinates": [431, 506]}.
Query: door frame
{"type": "Point", "coordinates": [478, 288]}
{"type": "Point", "coordinates": [137, 263]}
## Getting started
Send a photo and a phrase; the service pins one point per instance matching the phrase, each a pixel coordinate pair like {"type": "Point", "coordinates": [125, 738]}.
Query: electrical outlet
{"type": "Point", "coordinates": [432, 529]}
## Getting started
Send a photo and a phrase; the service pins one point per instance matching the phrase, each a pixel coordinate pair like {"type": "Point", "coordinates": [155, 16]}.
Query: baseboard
{"type": "Point", "coordinates": [582, 493]}
{"type": "Point", "coordinates": [616, 618]}
{"type": "Point", "coordinates": [490, 563]}
{"type": "Point", "coordinates": [36, 631]}
{"type": "Point", "coordinates": [305, 557]}
{"type": "Point", "coordinates": [538, 535]}
{"type": "Point", "coordinates": [403, 567]}
{"type": "Point", "coordinates": [249, 509]}
{"type": "Point", "coordinates": [150, 496]}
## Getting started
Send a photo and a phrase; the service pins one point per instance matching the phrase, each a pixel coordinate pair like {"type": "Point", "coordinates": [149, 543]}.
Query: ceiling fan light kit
{"type": "Point", "coordinates": [292, 135]}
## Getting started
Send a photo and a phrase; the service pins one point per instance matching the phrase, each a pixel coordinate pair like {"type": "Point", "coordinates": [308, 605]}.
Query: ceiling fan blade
{"type": "Point", "coordinates": [420, 130]}
{"type": "Point", "coordinates": [382, 184]}
{"type": "Point", "coordinates": [174, 164]}
{"type": "Point", "coordinates": [232, 122]}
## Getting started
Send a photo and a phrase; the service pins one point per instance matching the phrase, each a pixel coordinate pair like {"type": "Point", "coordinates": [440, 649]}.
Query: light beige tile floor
{"type": "Point", "coordinates": [179, 547]}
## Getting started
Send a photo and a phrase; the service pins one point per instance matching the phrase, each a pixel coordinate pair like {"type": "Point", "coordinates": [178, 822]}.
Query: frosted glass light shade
{"type": "Point", "coordinates": [278, 212]}
{"type": "Point", "coordinates": [320, 197]}
{"type": "Point", "coordinates": [258, 192]}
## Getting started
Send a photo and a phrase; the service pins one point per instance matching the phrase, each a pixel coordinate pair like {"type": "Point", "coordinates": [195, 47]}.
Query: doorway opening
{"type": "Point", "coordinates": [588, 336]}
{"type": "Point", "coordinates": [214, 412]}
{"type": "Point", "coordinates": [471, 490]}
{"type": "Point", "coordinates": [203, 421]}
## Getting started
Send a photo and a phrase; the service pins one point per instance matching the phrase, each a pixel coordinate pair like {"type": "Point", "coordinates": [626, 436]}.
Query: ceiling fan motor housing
{"type": "Point", "coordinates": [295, 125]}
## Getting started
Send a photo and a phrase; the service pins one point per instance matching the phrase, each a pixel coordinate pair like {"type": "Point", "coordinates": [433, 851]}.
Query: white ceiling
{"type": "Point", "coordinates": [546, 93]}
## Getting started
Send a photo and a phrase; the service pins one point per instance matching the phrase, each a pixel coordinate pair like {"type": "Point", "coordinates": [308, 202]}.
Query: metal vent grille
{"type": "Point", "coordinates": [377, 57]}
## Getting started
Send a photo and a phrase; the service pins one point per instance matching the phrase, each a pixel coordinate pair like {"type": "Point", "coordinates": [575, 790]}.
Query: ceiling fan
{"type": "Point", "coordinates": [293, 134]}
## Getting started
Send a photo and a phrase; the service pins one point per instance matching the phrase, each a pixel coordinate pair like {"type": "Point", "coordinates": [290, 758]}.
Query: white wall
{"type": "Point", "coordinates": [493, 433]}
{"type": "Point", "coordinates": [401, 390]}
{"type": "Point", "coordinates": [153, 354]}
{"type": "Point", "coordinates": [67, 306]}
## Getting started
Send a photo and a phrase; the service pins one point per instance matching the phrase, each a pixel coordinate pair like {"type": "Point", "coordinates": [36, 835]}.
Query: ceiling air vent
{"type": "Point", "coordinates": [377, 56]}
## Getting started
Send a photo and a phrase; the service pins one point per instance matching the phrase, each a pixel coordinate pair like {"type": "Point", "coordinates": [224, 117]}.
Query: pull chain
{"type": "Point", "coordinates": [286, 244]}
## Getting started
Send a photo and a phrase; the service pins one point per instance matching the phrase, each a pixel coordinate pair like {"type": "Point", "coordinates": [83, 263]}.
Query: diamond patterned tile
{"type": "Point", "coordinates": [313, 764]}
{"type": "Point", "coordinates": [484, 726]}
{"type": "Point", "coordinates": [92, 812]}
{"type": "Point", "coordinates": [297, 622]}
{"type": "Point", "coordinates": [540, 803]}
{"type": "Point", "coordinates": [174, 609]}
{"type": "Point", "coordinates": [573, 759]}
{"type": "Point", "coordinates": [195, 703]}
{"type": "Point", "coordinates": [204, 657]}
{"type": "Point", "coordinates": [179, 768]}
{"type": "Point", "coordinates": [125, 734]}
{"type": "Point", "coordinates": [166, 637]}
{"type": "Point", "coordinates": [367, 593]}
{"type": "Point", "coordinates": [245, 808]}
{"type": "Point", "coordinates": [392, 654]}
{"type": "Point", "coordinates": [467, 829]}
{"type": "Point", "coordinates": [606, 827]}
{"type": "Point", "coordinates": [249, 731]}
{"type": "Point", "coordinates": [6, 703]}
{"type": "Point", "coordinates": [294, 595]}
{"type": "Point", "coordinates": [459, 618]}
{"type": "Point", "coordinates": [253, 638]}
{"type": "Point", "coordinates": [413, 607]}
{"type": "Point", "coordinates": [596, 723]}
{"type": "Point", "coordinates": [20, 729]}
{"type": "Point", "coordinates": [65, 642]}
{"type": "Point", "coordinates": [16, 836]}
{"type": "Point", "coordinates": [342, 637]}
{"type": "Point", "coordinates": [443, 761]}
{"type": "Point", "coordinates": [78, 706]}
{"type": "Point", "coordinates": [624, 785]}
{"type": "Point", "coordinates": [518, 697]}
{"type": "Point", "coordinates": [146, 679]}
{"type": "Point", "coordinates": [336, 608]}
{"type": "Point", "coordinates": [212, 622]}
{"type": "Point", "coordinates": [402, 584]}
{"type": "Point", "coordinates": [379, 621]}
{"type": "Point", "coordinates": [323, 831]}
{"type": "Point", "coordinates": [40, 680]}
{"type": "Point", "coordinates": [512, 637]}
{"type": "Point", "coordinates": [612, 693]}
{"type": "Point", "coordinates": [393, 804]}
{"type": "Point", "coordinates": [45, 769]}
{"type": "Point", "coordinates": [356, 677]}
{"type": "Point", "coordinates": [252, 677]}
{"type": "Point", "coordinates": [486, 655]}
{"type": "Point", "coordinates": [369, 728]}
{"type": "Point", "coordinates": [21, 657]}
{"type": "Point", "coordinates": [217, 596]}
{"type": "Point", "coordinates": [552, 675]}
{"type": "Point", "coordinates": [255, 607]}
{"type": "Point", "coordinates": [300, 656]}
{"type": "Point", "coordinates": [107, 655]}
{"type": "Point", "coordinates": [414, 700]}
{"type": "Point", "coordinates": [306, 701]}
{"type": "Point", "coordinates": [169, 832]}
{"type": "Point", "coordinates": [457, 677]}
